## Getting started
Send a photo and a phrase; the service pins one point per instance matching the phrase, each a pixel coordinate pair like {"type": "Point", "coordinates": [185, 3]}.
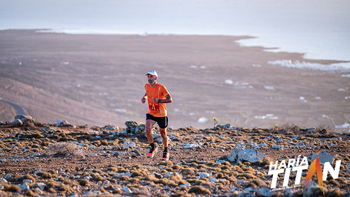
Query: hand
{"type": "Point", "coordinates": [155, 100]}
{"type": "Point", "coordinates": [143, 100]}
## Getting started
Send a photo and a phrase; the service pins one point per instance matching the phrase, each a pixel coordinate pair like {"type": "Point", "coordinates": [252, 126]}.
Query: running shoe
{"type": "Point", "coordinates": [152, 151]}
{"type": "Point", "coordinates": [166, 156]}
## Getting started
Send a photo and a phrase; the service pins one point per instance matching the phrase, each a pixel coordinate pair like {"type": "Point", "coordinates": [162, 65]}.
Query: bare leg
{"type": "Point", "coordinates": [164, 136]}
{"type": "Point", "coordinates": [149, 125]}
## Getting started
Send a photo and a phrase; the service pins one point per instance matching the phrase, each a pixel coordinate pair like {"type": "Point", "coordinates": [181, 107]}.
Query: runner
{"type": "Point", "coordinates": [157, 95]}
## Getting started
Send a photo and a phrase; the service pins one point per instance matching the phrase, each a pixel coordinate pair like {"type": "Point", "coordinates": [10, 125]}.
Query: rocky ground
{"type": "Point", "coordinates": [61, 159]}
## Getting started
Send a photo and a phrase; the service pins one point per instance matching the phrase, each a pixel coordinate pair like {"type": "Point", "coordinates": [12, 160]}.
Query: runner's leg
{"type": "Point", "coordinates": [149, 125]}
{"type": "Point", "coordinates": [164, 136]}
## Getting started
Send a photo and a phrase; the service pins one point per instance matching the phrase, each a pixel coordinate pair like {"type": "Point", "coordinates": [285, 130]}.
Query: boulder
{"type": "Point", "coordinates": [323, 156]}
{"type": "Point", "coordinates": [25, 119]}
{"type": "Point", "coordinates": [241, 154]}
{"type": "Point", "coordinates": [131, 124]}
{"type": "Point", "coordinates": [17, 123]}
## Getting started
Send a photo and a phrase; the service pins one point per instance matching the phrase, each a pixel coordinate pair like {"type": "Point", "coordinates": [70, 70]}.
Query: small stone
{"type": "Point", "coordinates": [167, 175]}
{"type": "Point", "coordinates": [213, 180]}
{"type": "Point", "coordinates": [323, 157]}
{"type": "Point", "coordinates": [185, 185]}
{"type": "Point", "coordinates": [38, 191]}
{"type": "Point", "coordinates": [276, 147]}
{"type": "Point", "coordinates": [132, 144]}
{"type": "Point", "coordinates": [24, 187]}
{"type": "Point", "coordinates": [190, 146]}
{"type": "Point", "coordinates": [40, 185]}
{"type": "Point", "coordinates": [240, 154]}
{"type": "Point", "coordinates": [203, 175]}
{"type": "Point", "coordinates": [3, 180]}
{"type": "Point", "coordinates": [37, 171]}
{"type": "Point", "coordinates": [128, 174]}
{"type": "Point", "coordinates": [300, 144]}
{"type": "Point", "coordinates": [158, 176]}
{"type": "Point", "coordinates": [265, 191]}
{"type": "Point", "coordinates": [126, 190]}
{"type": "Point", "coordinates": [27, 181]}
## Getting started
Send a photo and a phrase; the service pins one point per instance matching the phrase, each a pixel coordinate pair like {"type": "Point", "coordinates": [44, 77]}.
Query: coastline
{"type": "Point", "coordinates": [89, 75]}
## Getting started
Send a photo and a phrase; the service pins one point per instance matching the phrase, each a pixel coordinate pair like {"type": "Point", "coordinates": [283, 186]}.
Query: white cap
{"type": "Point", "coordinates": [152, 72]}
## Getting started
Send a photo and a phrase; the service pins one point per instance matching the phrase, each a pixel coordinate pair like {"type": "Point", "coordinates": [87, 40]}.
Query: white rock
{"type": "Point", "coordinates": [37, 171]}
{"type": "Point", "coordinates": [194, 145]}
{"type": "Point", "coordinates": [126, 190]}
{"type": "Point", "coordinates": [132, 144]}
{"type": "Point", "coordinates": [185, 185]}
{"type": "Point", "coordinates": [203, 175]}
{"type": "Point", "coordinates": [202, 120]}
{"type": "Point", "coordinates": [250, 154]}
{"type": "Point", "coordinates": [27, 181]}
{"type": "Point", "coordinates": [7, 176]}
{"type": "Point", "coordinates": [323, 157]}
{"type": "Point", "coordinates": [220, 161]}
{"type": "Point", "coordinates": [265, 191]}
{"type": "Point", "coordinates": [3, 180]}
{"type": "Point", "coordinates": [348, 166]}
{"type": "Point", "coordinates": [40, 185]}
{"type": "Point", "coordinates": [91, 146]}
{"type": "Point", "coordinates": [128, 174]}
{"type": "Point", "coordinates": [17, 122]}
{"type": "Point", "coordinates": [24, 187]}
{"type": "Point", "coordinates": [167, 175]}
{"type": "Point", "coordinates": [213, 180]}
{"type": "Point", "coordinates": [228, 81]}
{"type": "Point", "coordinates": [38, 191]}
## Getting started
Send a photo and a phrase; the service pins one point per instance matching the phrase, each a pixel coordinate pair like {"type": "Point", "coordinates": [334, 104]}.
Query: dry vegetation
{"type": "Point", "coordinates": [41, 159]}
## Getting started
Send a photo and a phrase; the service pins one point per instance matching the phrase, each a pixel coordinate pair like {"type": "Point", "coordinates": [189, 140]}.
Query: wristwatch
{"type": "Point", "coordinates": [159, 100]}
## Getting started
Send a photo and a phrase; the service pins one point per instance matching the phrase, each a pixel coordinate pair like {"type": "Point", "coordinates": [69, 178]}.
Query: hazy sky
{"type": "Point", "coordinates": [319, 27]}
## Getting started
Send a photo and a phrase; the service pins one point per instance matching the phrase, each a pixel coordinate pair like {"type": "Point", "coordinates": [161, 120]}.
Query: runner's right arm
{"type": "Point", "coordinates": [143, 100]}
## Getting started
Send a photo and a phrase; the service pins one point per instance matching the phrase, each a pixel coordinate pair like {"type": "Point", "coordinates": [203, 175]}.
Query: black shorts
{"type": "Point", "coordinates": [162, 121]}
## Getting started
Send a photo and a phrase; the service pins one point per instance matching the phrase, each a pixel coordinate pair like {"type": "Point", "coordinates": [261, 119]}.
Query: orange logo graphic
{"type": "Point", "coordinates": [315, 167]}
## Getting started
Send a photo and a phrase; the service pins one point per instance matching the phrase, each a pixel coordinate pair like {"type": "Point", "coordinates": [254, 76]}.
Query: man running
{"type": "Point", "coordinates": [157, 95]}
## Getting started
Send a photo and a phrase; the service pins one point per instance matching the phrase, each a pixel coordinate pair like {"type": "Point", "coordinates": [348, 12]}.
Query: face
{"type": "Point", "coordinates": [151, 79]}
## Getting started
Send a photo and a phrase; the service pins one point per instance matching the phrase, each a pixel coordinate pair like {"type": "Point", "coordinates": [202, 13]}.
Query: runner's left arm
{"type": "Point", "coordinates": [167, 99]}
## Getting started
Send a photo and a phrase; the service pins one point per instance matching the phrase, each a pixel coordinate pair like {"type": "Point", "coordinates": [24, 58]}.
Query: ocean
{"type": "Point", "coordinates": [318, 28]}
